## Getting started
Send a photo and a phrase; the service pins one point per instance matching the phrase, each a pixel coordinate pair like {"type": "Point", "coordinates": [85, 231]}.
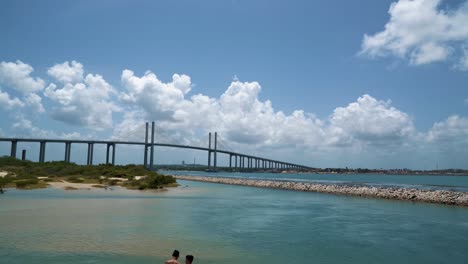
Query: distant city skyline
{"type": "Point", "coordinates": [382, 84]}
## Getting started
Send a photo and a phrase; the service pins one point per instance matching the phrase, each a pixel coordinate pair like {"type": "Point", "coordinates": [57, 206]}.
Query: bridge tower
{"type": "Point", "coordinates": [212, 150]}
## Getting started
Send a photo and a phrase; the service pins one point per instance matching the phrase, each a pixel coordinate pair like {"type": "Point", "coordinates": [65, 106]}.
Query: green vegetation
{"type": "Point", "coordinates": [29, 175]}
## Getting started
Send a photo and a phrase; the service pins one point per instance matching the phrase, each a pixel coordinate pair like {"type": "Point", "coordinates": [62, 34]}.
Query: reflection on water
{"type": "Point", "coordinates": [228, 224]}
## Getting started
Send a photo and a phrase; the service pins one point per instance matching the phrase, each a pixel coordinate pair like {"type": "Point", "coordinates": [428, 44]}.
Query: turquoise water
{"type": "Point", "coordinates": [225, 224]}
{"type": "Point", "coordinates": [427, 182]}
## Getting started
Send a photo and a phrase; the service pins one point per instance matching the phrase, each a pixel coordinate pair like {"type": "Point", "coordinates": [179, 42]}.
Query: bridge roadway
{"type": "Point", "coordinates": [252, 161]}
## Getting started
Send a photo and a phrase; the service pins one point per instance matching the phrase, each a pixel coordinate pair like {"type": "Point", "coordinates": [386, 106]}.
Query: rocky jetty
{"type": "Point", "coordinates": [428, 196]}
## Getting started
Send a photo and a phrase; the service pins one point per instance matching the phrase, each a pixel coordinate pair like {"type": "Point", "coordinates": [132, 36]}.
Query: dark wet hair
{"type": "Point", "coordinates": [190, 258]}
{"type": "Point", "coordinates": [175, 253]}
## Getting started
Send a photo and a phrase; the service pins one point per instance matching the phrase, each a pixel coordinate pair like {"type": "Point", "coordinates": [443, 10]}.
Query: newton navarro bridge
{"type": "Point", "coordinates": [236, 160]}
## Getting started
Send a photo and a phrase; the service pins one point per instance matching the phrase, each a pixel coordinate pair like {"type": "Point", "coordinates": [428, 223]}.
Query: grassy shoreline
{"type": "Point", "coordinates": [29, 175]}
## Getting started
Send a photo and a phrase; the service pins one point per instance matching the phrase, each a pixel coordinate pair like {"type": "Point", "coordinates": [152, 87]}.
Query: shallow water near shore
{"type": "Point", "coordinates": [225, 224]}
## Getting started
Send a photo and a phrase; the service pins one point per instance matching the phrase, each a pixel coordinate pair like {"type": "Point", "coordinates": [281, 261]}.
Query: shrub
{"type": "Point", "coordinates": [24, 183]}
{"type": "Point", "coordinates": [74, 179]}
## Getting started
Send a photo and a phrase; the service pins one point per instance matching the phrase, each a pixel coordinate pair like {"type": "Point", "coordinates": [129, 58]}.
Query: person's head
{"type": "Point", "coordinates": [175, 254]}
{"type": "Point", "coordinates": [189, 259]}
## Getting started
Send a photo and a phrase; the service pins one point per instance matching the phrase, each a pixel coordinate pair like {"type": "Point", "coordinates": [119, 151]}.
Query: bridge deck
{"type": "Point", "coordinates": [112, 142]}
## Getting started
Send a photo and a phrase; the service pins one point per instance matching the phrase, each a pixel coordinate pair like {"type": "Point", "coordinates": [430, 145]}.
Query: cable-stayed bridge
{"type": "Point", "coordinates": [237, 160]}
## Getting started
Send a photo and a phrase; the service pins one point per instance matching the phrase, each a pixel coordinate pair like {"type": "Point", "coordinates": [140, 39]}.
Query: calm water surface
{"type": "Point", "coordinates": [225, 224]}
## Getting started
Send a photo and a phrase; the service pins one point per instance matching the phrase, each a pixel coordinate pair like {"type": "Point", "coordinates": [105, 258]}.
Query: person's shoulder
{"type": "Point", "coordinates": [171, 261]}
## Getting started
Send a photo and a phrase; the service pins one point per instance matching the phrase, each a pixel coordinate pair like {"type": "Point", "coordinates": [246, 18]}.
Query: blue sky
{"type": "Point", "coordinates": [305, 55]}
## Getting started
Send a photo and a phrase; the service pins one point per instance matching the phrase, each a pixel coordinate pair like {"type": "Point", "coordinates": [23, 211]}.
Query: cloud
{"type": "Point", "coordinates": [157, 98]}
{"type": "Point", "coordinates": [16, 75]}
{"type": "Point", "coordinates": [24, 127]}
{"type": "Point", "coordinates": [371, 120]}
{"type": "Point", "coordinates": [8, 103]}
{"type": "Point", "coordinates": [34, 102]}
{"type": "Point", "coordinates": [67, 72]}
{"type": "Point", "coordinates": [453, 130]}
{"type": "Point", "coordinates": [463, 62]}
{"type": "Point", "coordinates": [420, 31]}
{"type": "Point", "coordinates": [88, 103]}
{"type": "Point", "coordinates": [367, 127]}
{"type": "Point", "coordinates": [245, 121]}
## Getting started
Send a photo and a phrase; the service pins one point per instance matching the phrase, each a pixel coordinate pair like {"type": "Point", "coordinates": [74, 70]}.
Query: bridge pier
{"type": "Point", "coordinates": [151, 147]}
{"type": "Point", "coordinates": [209, 150]}
{"type": "Point", "coordinates": [23, 155]}
{"type": "Point", "coordinates": [109, 145]}
{"type": "Point", "coordinates": [113, 154]}
{"type": "Point", "coordinates": [215, 154]}
{"type": "Point", "coordinates": [90, 153]}
{"type": "Point", "coordinates": [230, 161]}
{"type": "Point", "coordinates": [67, 151]}
{"type": "Point", "coordinates": [145, 155]}
{"type": "Point", "coordinates": [42, 148]}
{"type": "Point", "coordinates": [14, 144]}
{"type": "Point", "coordinates": [235, 161]}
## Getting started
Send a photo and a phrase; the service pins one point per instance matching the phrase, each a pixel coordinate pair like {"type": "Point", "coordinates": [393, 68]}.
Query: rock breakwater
{"type": "Point", "coordinates": [428, 196]}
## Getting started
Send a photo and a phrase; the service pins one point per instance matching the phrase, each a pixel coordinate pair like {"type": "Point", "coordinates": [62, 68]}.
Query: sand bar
{"type": "Point", "coordinates": [78, 186]}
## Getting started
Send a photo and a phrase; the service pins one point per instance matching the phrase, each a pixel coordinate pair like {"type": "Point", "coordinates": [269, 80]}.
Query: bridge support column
{"type": "Point", "coordinates": [215, 154]}
{"type": "Point", "coordinates": [109, 145]}
{"type": "Point", "coordinates": [90, 153]}
{"type": "Point", "coordinates": [23, 155]}
{"type": "Point", "coordinates": [42, 148]}
{"type": "Point", "coordinates": [113, 153]}
{"type": "Point", "coordinates": [107, 153]}
{"type": "Point", "coordinates": [209, 150]}
{"type": "Point", "coordinates": [152, 147]}
{"type": "Point", "coordinates": [230, 161]}
{"type": "Point", "coordinates": [67, 151]}
{"type": "Point", "coordinates": [145, 155]}
{"type": "Point", "coordinates": [235, 161]}
{"type": "Point", "coordinates": [14, 144]}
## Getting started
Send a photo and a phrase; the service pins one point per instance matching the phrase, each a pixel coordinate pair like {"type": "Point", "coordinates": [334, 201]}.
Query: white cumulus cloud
{"type": "Point", "coordinates": [245, 121]}
{"type": "Point", "coordinates": [88, 103]}
{"type": "Point", "coordinates": [67, 72]}
{"type": "Point", "coordinates": [8, 103]}
{"type": "Point", "coordinates": [452, 130]}
{"type": "Point", "coordinates": [371, 120]}
{"type": "Point", "coordinates": [34, 102]}
{"type": "Point", "coordinates": [16, 75]}
{"type": "Point", "coordinates": [421, 31]}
